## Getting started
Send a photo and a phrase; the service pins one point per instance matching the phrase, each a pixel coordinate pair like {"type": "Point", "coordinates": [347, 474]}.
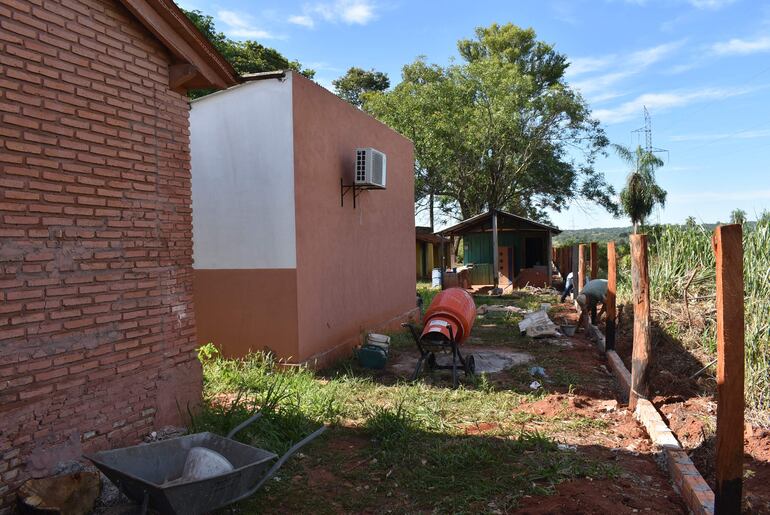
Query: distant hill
{"type": "Point", "coordinates": [597, 234]}
{"type": "Point", "coordinates": [605, 234]}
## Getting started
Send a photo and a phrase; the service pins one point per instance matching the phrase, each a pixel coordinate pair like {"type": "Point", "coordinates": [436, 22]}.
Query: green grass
{"type": "Point", "coordinates": [399, 443]}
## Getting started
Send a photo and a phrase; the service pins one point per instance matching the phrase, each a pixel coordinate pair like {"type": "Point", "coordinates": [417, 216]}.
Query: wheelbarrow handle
{"type": "Point", "coordinates": [245, 423]}
{"type": "Point", "coordinates": [278, 464]}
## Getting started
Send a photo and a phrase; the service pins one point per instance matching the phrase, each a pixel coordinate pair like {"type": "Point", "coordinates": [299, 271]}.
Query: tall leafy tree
{"type": "Point", "coordinates": [245, 56]}
{"type": "Point", "coordinates": [641, 193]}
{"type": "Point", "coordinates": [501, 129]}
{"type": "Point", "coordinates": [358, 81]}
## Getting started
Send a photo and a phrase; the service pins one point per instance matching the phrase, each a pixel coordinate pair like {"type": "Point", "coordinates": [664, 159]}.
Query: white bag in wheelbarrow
{"type": "Point", "coordinates": [203, 463]}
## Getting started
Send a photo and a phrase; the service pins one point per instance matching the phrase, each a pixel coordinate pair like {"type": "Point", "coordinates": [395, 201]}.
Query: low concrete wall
{"type": "Point", "coordinates": [686, 478]}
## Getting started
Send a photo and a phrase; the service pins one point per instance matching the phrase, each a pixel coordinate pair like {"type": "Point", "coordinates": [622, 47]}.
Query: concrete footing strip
{"type": "Point", "coordinates": [686, 478]}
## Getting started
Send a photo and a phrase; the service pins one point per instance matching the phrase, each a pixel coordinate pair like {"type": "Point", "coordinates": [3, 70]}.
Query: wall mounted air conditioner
{"type": "Point", "coordinates": [371, 168]}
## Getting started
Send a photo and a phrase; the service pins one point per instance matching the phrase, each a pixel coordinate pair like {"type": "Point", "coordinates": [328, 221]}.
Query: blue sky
{"type": "Point", "coordinates": [702, 68]}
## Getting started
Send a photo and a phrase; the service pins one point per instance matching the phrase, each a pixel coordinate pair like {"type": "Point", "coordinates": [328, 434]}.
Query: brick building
{"type": "Point", "coordinates": [97, 331]}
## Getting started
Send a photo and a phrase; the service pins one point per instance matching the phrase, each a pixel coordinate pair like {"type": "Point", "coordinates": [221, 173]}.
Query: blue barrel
{"type": "Point", "coordinates": [435, 278]}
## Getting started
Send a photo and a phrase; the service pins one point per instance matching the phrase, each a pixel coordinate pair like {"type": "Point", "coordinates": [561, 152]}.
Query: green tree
{"type": "Point", "coordinates": [358, 81]}
{"type": "Point", "coordinates": [641, 193]}
{"type": "Point", "coordinates": [690, 221]}
{"type": "Point", "coordinates": [501, 129]}
{"type": "Point", "coordinates": [245, 56]}
{"type": "Point", "coordinates": [738, 216]}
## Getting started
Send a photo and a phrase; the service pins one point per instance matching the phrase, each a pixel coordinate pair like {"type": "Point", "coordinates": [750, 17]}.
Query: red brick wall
{"type": "Point", "coordinates": [97, 330]}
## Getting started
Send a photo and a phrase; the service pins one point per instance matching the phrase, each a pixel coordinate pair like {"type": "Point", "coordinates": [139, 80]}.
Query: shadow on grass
{"type": "Point", "coordinates": [389, 467]}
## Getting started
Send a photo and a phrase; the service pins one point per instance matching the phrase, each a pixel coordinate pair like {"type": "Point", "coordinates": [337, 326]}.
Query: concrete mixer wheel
{"type": "Point", "coordinates": [431, 361]}
{"type": "Point", "coordinates": [470, 366]}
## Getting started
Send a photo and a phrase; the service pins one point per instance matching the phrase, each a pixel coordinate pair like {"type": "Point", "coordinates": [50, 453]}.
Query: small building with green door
{"type": "Point", "coordinates": [523, 249]}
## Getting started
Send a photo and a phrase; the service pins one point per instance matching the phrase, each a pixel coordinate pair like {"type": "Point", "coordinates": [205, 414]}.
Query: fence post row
{"type": "Point", "coordinates": [612, 279]}
{"type": "Point", "coordinates": [640, 357]}
{"type": "Point", "coordinates": [581, 266]}
{"type": "Point", "coordinates": [594, 260]}
{"type": "Point", "coordinates": [727, 243]}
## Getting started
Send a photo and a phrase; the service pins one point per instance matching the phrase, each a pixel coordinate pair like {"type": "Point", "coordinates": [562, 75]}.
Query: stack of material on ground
{"type": "Point", "coordinates": [499, 308]}
{"type": "Point", "coordinates": [537, 325]}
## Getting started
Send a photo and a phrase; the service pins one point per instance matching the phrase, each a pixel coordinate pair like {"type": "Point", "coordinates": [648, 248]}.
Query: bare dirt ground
{"type": "Point", "coordinates": [689, 406]}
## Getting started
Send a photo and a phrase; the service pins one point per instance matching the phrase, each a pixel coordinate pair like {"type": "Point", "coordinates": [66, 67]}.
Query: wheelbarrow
{"type": "Point", "coordinates": [150, 473]}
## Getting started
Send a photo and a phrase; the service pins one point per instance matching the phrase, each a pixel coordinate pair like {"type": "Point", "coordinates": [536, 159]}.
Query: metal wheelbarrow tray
{"type": "Point", "coordinates": [149, 473]}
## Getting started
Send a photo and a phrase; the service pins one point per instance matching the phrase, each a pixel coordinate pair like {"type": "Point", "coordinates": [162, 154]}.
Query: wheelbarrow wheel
{"type": "Point", "coordinates": [470, 366]}
{"type": "Point", "coordinates": [431, 361]}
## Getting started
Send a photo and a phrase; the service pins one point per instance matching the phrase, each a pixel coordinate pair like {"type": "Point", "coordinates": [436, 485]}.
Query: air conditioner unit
{"type": "Point", "coordinates": [371, 167]}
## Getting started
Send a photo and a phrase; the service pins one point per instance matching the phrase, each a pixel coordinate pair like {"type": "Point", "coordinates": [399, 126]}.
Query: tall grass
{"type": "Point", "coordinates": [681, 255]}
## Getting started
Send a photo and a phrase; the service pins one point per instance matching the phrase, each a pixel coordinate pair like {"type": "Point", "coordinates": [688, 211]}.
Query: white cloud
{"type": "Point", "coordinates": [664, 101]}
{"type": "Point", "coordinates": [349, 12]}
{"type": "Point", "coordinates": [650, 56]}
{"type": "Point", "coordinates": [241, 25]}
{"type": "Point", "coordinates": [303, 20]}
{"type": "Point", "coordinates": [581, 65]}
{"type": "Point", "coordinates": [710, 4]}
{"type": "Point", "coordinates": [747, 134]}
{"type": "Point", "coordinates": [715, 196]}
{"type": "Point", "coordinates": [626, 65]}
{"type": "Point", "coordinates": [742, 46]}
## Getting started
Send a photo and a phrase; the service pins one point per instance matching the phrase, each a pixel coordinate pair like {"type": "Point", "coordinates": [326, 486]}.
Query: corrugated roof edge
{"type": "Point", "coordinates": [245, 80]}
{"type": "Point", "coordinates": [475, 219]}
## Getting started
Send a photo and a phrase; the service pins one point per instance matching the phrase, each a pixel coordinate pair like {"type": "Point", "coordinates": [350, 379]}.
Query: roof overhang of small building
{"type": "Point", "coordinates": [197, 64]}
{"type": "Point", "coordinates": [476, 223]}
{"type": "Point", "coordinates": [426, 235]}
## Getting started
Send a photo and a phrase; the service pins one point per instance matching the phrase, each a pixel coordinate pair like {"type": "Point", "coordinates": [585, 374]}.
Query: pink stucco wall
{"type": "Point", "coordinates": [355, 267]}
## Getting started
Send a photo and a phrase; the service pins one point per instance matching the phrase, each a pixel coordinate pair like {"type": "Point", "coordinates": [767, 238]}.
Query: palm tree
{"type": "Point", "coordinates": [641, 193]}
{"type": "Point", "coordinates": [738, 216]}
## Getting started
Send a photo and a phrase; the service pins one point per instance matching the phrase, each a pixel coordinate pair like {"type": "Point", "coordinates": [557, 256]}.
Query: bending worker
{"type": "Point", "coordinates": [594, 292]}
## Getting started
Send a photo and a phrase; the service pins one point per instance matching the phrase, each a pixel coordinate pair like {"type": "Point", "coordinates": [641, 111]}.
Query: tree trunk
{"type": "Point", "coordinates": [430, 207]}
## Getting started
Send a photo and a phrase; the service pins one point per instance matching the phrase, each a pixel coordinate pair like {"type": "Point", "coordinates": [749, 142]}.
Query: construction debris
{"type": "Point", "coordinates": [70, 494]}
{"type": "Point", "coordinates": [537, 325]}
{"type": "Point", "coordinates": [499, 308]}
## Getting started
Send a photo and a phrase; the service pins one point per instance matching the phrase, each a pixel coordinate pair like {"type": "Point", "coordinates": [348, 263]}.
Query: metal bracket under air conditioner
{"type": "Point", "coordinates": [356, 188]}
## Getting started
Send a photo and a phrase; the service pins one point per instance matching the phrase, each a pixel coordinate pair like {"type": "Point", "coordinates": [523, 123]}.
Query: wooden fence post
{"type": "Point", "coordinates": [728, 247]}
{"type": "Point", "coordinates": [594, 260]}
{"type": "Point", "coordinates": [640, 357]}
{"type": "Point", "coordinates": [581, 266]}
{"type": "Point", "coordinates": [612, 280]}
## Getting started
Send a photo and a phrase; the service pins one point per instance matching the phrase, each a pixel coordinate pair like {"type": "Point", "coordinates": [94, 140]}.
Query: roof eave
{"type": "Point", "coordinates": [470, 222]}
{"type": "Point", "coordinates": [198, 63]}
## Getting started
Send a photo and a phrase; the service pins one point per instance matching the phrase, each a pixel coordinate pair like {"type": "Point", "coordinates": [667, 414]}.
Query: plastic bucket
{"type": "Point", "coordinates": [435, 278]}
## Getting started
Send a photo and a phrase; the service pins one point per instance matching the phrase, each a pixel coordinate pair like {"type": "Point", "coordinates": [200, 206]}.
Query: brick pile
{"type": "Point", "coordinates": [97, 330]}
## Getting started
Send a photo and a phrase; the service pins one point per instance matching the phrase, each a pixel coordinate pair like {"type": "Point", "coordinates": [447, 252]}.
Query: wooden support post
{"type": "Point", "coordinates": [576, 287]}
{"type": "Point", "coordinates": [581, 266]}
{"type": "Point", "coordinates": [594, 260]}
{"type": "Point", "coordinates": [452, 253]}
{"type": "Point", "coordinates": [640, 356]}
{"type": "Point", "coordinates": [727, 242]}
{"type": "Point", "coordinates": [550, 254]}
{"type": "Point", "coordinates": [612, 286]}
{"type": "Point", "coordinates": [495, 251]}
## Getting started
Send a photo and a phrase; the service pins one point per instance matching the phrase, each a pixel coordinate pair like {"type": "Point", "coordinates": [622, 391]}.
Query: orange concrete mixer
{"type": "Point", "coordinates": [450, 316]}
{"type": "Point", "coordinates": [447, 324]}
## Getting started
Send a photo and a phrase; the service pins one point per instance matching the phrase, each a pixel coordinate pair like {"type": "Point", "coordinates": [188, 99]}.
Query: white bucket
{"type": "Point", "coordinates": [435, 278]}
